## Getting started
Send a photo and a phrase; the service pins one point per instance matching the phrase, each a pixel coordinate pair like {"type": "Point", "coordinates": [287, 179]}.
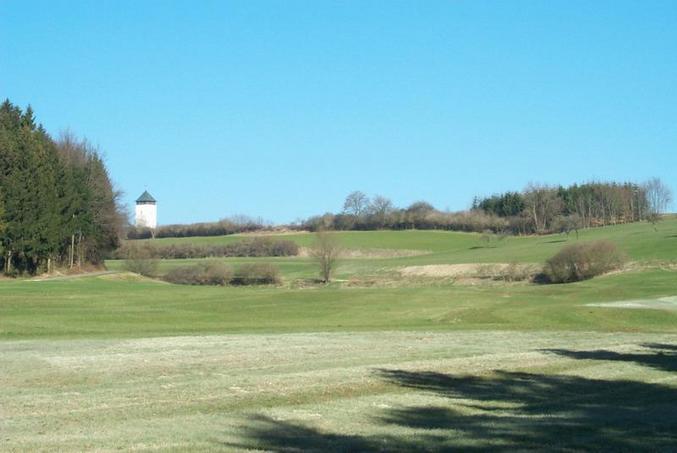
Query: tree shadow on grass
{"type": "Point", "coordinates": [504, 411]}
{"type": "Point", "coordinates": [658, 356]}
{"type": "Point", "coordinates": [661, 346]}
{"type": "Point", "coordinates": [266, 433]}
{"type": "Point", "coordinates": [525, 410]}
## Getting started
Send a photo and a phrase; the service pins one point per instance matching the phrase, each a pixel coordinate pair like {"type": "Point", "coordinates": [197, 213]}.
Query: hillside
{"type": "Point", "coordinates": [640, 240]}
{"type": "Point", "coordinates": [376, 252]}
{"type": "Point", "coordinates": [373, 361]}
{"type": "Point", "coordinates": [371, 292]}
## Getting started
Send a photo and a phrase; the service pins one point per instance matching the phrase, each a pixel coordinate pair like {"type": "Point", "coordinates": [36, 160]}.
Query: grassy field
{"type": "Point", "coordinates": [639, 240]}
{"type": "Point", "coordinates": [390, 391]}
{"type": "Point", "coordinates": [110, 307]}
{"type": "Point", "coordinates": [374, 362]}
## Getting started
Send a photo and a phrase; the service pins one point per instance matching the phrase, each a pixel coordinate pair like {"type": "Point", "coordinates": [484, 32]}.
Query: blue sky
{"type": "Point", "coordinates": [280, 108]}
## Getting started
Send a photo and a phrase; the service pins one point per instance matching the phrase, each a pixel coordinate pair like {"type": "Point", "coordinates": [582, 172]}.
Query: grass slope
{"type": "Point", "coordinates": [639, 240]}
{"type": "Point", "coordinates": [111, 362]}
{"type": "Point", "coordinates": [101, 307]}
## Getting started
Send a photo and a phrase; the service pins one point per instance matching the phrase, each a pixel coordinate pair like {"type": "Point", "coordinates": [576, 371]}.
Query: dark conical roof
{"type": "Point", "coordinates": [145, 198]}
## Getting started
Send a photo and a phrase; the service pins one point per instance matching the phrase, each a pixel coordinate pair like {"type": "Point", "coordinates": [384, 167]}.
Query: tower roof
{"type": "Point", "coordinates": [146, 198]}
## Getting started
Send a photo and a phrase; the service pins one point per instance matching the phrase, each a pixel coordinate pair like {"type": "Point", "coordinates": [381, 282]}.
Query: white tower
{"type": "Point", "coordinates": [146, 211]}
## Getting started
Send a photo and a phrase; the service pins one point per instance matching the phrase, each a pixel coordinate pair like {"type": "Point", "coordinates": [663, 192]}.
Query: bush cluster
{"type": "Point", "coordinates": [208, 273]}
{"type": "Point", "coordinates": [147, 267]}
{"type": "Point", "coordinates": [256, 247]}
{"type": "Point", "coordinates": [583, 261]}
{"type": "Point", "coordinates": [404, 219]}
{"type": "Point", "coordinates": [255, 274]}
{"type": "Point", "coordinates": [218, 274]}
{"type": "Point", "coordinates": [238, 224]}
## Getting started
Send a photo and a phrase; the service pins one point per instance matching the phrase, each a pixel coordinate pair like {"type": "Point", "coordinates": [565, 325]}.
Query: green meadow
{"type": "Point", "coordinates": [641, 241]}
{"type": "Point", "coordinates": [378, 360]}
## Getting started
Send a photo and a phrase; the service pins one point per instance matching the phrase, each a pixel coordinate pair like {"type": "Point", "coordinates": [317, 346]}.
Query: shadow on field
{"type": "Point", "coordinates": [658, 356]}
{"type": "Point", "coordinates": [275, 435]}
{"type": "Point", "coordinates": [524, 410]}
{"type": "Point", "coordinates": [505, 411]}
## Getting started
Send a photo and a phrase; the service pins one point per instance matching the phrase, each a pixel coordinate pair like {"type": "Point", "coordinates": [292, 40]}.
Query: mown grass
{"type": "Point", "coordinates": [116, 362]}
{"type": "Point", "coordinates": [382, 391]}
{"type": "Point", "coordinates": [101, 307]}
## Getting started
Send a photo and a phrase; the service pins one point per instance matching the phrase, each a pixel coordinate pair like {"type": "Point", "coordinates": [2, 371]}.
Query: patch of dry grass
{"type": "Point", "coordinates": [474, 271]}
{"type": "Point", "coordinates": [371, 253]}
{"type": "Point", "coordinates": [203, 392]}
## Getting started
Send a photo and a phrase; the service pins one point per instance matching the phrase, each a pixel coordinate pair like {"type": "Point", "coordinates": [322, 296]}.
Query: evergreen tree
{"type": "Point", "coordinates": [52, 195]}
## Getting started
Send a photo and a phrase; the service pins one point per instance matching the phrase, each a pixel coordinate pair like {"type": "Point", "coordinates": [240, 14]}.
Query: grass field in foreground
{"type": "Point", "coordinates": [117, 362]}
{"type": "Point", "coordinates": [382, 391]}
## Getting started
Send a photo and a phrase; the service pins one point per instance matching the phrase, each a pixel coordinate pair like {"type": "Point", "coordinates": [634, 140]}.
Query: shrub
{"type": "Point", "coordinates": [141, 262]}
{"type": "Point", "coordinates": [511, 272]}
{"type": "Point", "coordinates": [147, 267]}
{"type": "Point", "coordinates": [516, 272]}
{"type": "Point", "coordinates": [325, 251]}
{"type": "Point", "coordinates": [209, 273]}
{"type": "Point", "coordinates": [255, 247]}
{"type": "Point", "coordinates": [128, 252]}
{"type": "Point", "coordinates": [134, 232]}
{"type": "Point", "coordinates": [238, 224]}
{"type": "Point", "coordinates": [583, 261]}
{"type": "Point", "coordinates": [256, 274]}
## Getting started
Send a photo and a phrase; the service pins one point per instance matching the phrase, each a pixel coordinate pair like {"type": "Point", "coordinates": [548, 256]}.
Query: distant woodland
{"type": "Point", "coordinates": [538, 209]}
{"type": "Point", "coordinates": [58, 206]}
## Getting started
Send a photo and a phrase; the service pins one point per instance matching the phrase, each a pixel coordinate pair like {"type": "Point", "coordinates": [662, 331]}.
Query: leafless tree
{"type": "Point", "coordinates": [356, 203]}
{"type": "Point", "coordinates": [659, 197]}
{"type": "Point", "coordinates": [542, 204]}
{"type": "Point", "coordinates": [326, 251]}
{"type": "Point", "coordinates": [380, 207]}
{"type": "Point", "coordinates": [568, 223]}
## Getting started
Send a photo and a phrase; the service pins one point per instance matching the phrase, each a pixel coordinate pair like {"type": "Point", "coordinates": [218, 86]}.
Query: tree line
{"type": "Point", "coordinates": [251, 247]}
{"type": "Point", "coordinates": [545, 209]}
{"type": "Point", "coordinates": [361, 212]}
{"type": "Point", "coordinates": [230, 225]}
{"type": "Point", "coordinates": [538, 209]}
{"type": "Point", "coordinates": [58, 206]}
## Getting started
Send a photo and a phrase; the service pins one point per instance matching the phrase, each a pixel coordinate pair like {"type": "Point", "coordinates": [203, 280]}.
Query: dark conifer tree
{"type": "Point", "coordinates": [57, 203]}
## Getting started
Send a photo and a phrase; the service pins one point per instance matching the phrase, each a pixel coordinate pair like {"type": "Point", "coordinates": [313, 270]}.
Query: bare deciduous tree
{"type": "Point", "coordinates": [542, 204]}
{"type": "Point", "coordinates": [380, 208]}
{"type": "Point", "coordinates": [356, 203]}
{"type": "Point", "coordinates": [326, 251]}
{"type": "Point", "coordinates": [659, 197]}
{"type": "Point", "coordinates": [567, 224]}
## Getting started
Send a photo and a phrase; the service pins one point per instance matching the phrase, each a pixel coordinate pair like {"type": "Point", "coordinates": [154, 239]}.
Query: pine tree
{"type": "Point", "coordinates": [51, 195]}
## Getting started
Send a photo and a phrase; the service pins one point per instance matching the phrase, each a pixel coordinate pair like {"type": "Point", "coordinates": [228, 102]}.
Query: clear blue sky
{"type": "Point", "coordinates": [280, 108]}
